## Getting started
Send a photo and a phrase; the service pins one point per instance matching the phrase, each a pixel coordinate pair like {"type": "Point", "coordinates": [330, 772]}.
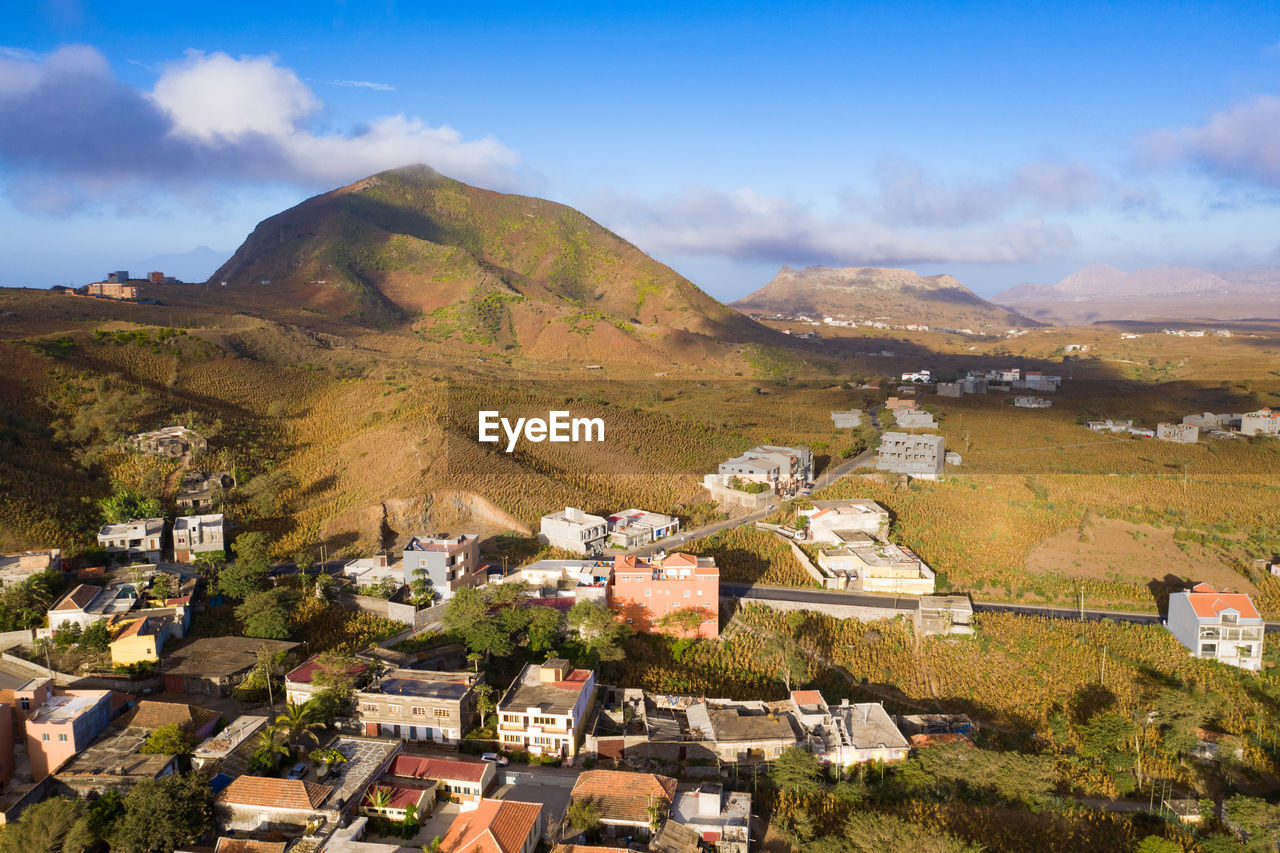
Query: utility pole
{"type": "Point", "coordinates": [1103, 680]}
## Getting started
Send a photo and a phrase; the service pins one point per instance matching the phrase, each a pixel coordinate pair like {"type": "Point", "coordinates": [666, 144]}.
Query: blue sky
{"type": "Point", "coordinates": [999, 142]}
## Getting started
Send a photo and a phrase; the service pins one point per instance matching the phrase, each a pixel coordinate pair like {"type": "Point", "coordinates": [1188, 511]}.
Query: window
{"type": "Point", "coordinates": [648, 592]}
{"type": "Point", "coordinates": [62, 738]}
{"type": "Point", "coordinates": [545, 721]}
{"type": "Point", "coordinates": [393, 709]}
{"type": "Point", "coordinates": [26, 704]}
{"type": "Point", "coordinates": [441, 712]}
{"type": "Point", "coordinates": [368, 706]}
{"type": "Point", "coordinates": [45, 737]}
{"type": "Point", "coordinates": [419, 712]}
{"type": "Point", "coordinates": [688, 593]}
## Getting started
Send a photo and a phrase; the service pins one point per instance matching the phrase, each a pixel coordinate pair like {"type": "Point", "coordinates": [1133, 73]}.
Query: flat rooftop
{"type": "Point", "coordinates": [64, 708]}
{"type": "Point", "coordinates": [552, 697]}
{"type": "Point", "coordinates": [434, 685]}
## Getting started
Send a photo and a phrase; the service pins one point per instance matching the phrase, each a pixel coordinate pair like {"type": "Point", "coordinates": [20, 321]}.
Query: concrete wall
{"type": "Point", "coordinates": [838, 611]}
{"type": "Point", "coordinates": [405, 614]}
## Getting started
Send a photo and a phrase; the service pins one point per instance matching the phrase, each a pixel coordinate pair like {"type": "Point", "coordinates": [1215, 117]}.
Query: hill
{"type": "Point", "coordinates": [482, 272]}
{"type": "Point", "coordinates": [1162, 293]}
{"type": "Point", "coordinates": [891, 295]}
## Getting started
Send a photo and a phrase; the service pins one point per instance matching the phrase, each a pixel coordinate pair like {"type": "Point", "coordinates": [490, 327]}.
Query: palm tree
{"type": "Point", "coordinates": [378, 798]}
{"type": "Point", "coordinates": [268, 749]}
{"type": "Point", "coordinates": [297, 723]}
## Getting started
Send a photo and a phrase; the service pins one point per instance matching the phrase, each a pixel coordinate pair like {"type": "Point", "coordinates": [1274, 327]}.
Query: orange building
{"type": "Point", "coordinates": [645, 590]}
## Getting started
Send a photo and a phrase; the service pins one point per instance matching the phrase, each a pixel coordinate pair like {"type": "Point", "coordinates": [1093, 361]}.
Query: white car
{"type": "Point", "coordinates": [500, 760]}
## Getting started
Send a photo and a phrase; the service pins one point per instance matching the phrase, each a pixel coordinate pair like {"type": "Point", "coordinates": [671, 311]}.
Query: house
{"type": "Point", "coordinates": [1111, 425]}
{"type": "Point", "coordinates": [112, 290]}
{"type": "Point", "coordinates": [860, 733]}
{"type": "Point", "coordinates": [914, 419]}
{"type": "Point", "coordinates": [950, 389]}
{"type": "Point", "coordinates": [367, 571]}
{"type": "Point", "coordinates": [917, 376]}
{"type": "Point", "coordinates": [77, 606]}
{"type": "Point", "coordinates": [150, 715]}
{"type": "Point", "coordinates": [212, 666]}
{"type": "Point", "coordinates": [300, 683]}
{"type": "Point", "coordinates": [671, 837]}
{"type": "Point", "coordinates": [896, 404]}
{"type": "Point", "coordinates": [1261, 422]}
{"type": "Point", "coordinates": [871, 565]}
{"type": "Point", "coordinates": [1032, 402]}
{"type": "Point", "coordinates": [574, 530]}
{"type": "Point", "coordinates": [1216, 624]}
{"type": "Point", "coordinates": [393, 800]}
{"type": "Point", "coordinates": [139, 642]}
{"type": "Point", "coordinates": [1183, 433]}
{"type": "Point", "coordinates": [1210, 421]}
{"type": "Point", "coordinates": [463, 781]}
{"type": "Point", "coordinates": [85, 604]}
{"type": "Point", "coordinates": [171, 441]}
{"type": "Point", "coordinates": [113, 762]}
{"type": "Point", "coordinates": [974, 385]}
{"type": "Point", "coordinates": [216, 748]}
{"type": "Point", "coordinates": [646, 589]}
{"type": "Point", "coordinates": [847, 420]}
{"type": "Point", "coordinates": [632, 528]}
{"type": "Point", "coordinates": [449, 562]}
{"type": "Point", "coordinates": [565, 582]}
{"type": "Point", "coordinates": [720, 818]}
{"type": "Point", "coordinates": [743, 732]}
{"type": "Point", "coordinates": [137, 540]}
{"type": "Point", "coordinates": [546, 708]}
{"type": "Point", "coordinates": [919, 456]}
{"type": "Point", "coordinates": [496, 826]}
{"type": "Point", "coordinates": [17, 568]}
{"type": "Point", "coordinates": [197, 534]}
{"type": "Point", "coordinates": [626, 802]}
{"type": "Point", "coordinates": [1037, 381]}
{"type": "Point", "coordinates": [199, 489]}
{"type": "Point", "coordinates": [780, 468]}
{"type": "Point", "coordinates": [418, 705]}
{"type": "Point", "coordinates": [826, 518]}
{"type": "Point", "coordinates": [58, 723]}
{"type": "Point", "coordinates": [252, 803]}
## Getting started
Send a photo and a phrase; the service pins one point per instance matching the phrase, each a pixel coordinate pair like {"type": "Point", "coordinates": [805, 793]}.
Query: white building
{"type": "Point", "coordinates": [546, 708]}
{"type": "Point", "coordinates": [197, 534]}
{"type": "Point", "coordinates": [16, 568]}
{"type": "Point", "coordinates": [1181, 433]}
{"type": "Point", "coordinates": [574, 530]}
{"type": "Point", "coordinates": [846, 734]}
{"type": "Point", "coordinates": [917, 376]}
{"type": "Point", "coordinates": [914, 419]}
{"type": "Point", "coordinates": [634, 527]}
{"type": "Point", "coordinates": [860, 515]}
{"type": "Point", "coordinates": [872, 565]}
{"type": "Point", "coordinates": [1032, 402]}
{"type": "Point", "coordinates": [847, 420]}
{"type": "Point", "coordinates": [137, 540]}
{"type": "Point", "coordinates": [1261, 422]}
{"type": "Point", "coordinates": [1222, 626]}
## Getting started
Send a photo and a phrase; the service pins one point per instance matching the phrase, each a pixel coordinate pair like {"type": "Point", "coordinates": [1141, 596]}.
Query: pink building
{"type": "Point", "coordinates": [57, 723]}
{"type": "Point", "coordinates": [645, 590]}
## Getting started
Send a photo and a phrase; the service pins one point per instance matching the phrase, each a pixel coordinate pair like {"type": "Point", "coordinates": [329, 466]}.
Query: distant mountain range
{"type": "Point", "coordinates": [1172, 293]}
{"type": "Point", "coordinates": [867, 293]}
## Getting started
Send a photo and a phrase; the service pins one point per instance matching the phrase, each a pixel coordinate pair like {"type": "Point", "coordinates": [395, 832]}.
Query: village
{"type": "Point", "coordinates": [436, 737]}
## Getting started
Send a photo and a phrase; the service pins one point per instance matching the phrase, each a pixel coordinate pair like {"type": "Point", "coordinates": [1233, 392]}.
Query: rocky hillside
{"type": "Point", "coordinates": [867, 293]}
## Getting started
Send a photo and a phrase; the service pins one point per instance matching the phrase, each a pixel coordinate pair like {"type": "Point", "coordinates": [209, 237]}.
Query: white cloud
{"type": "Point", "coordinates": [364, 84]}
{"type": "Point", "coordinates": [210, 118]}
{"type": "Point", "coordinates": [212, 97]}
{"type": "Point", "coordinates": [1242, 142]}
{"type": "Point", "coordinates": [746, 225]}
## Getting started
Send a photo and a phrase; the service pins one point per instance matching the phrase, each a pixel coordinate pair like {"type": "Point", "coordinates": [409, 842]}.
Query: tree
{"type": "Point", "coordinates": [162, 814]}
{"type": "Point", "coordinates": [123, 505]}
{"type": "Point", "coordinates": [1256, 818]}
{"type": "Point", "coordinates": [421, 588]}
{"type": "Point", "coordinates": [169, 739]}
{"type": "Point", "coordinates": [1157, 844]}
{"type": "Point", "coordinates": [95, 638]}
{"type": "Point", "coordinates": [546, 626]}
{"type": "Point", "coordinates": [265, 614]}
{"type": "Point", "coordinates": [599, 630]}
{"type": "Point", "coordinates": [297, 724]}
{"type": "Point", "coordinates": [797, 770]}
{"type": "Point", "coordinates": [57, 825]}
{"type": "Point", "coordinates": [249, 572]}
{"type": "Point", "coordinates": [327, 588]}
{"type": "Point", "coordinates": [161, 587]}
{"type": "Point", "coordinates": [872, 832]}
{"type": "Point", "coordinates": [583, 815]}
{"type": "Point", "coordinates": [485, 704]}
{"type": "Point", "coordinates": [268, 750]}
{"type": "Point", "coordinates": [787, 657]}
{"type": "Point", "coordinates": [682, 621]}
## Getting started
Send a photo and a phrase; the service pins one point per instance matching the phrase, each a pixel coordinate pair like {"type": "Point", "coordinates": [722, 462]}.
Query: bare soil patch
{"type": "Point", "coordinates": [1122, 551]}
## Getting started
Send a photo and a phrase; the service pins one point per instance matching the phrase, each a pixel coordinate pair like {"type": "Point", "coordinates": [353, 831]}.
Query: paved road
{"type": "Point", "coordinates": [826, 478]}
{"type": "Point", "coordinates": [819, 597]}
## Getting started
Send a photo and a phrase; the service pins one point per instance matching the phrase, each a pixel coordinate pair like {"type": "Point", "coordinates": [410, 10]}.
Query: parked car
{"type": "Point", "coordinates": [297, 771]}
{"type": "Point", "coordinates": [500, 760]}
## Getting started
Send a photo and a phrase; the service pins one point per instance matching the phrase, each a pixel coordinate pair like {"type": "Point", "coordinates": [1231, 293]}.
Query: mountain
{"type": "Point", "coordinates": [194, 265]}
{"type": "Point", "coordinates": [893, 295]}
{"type": "Point", "coordinates": [1164, 292]}
{"type": "Point", "coordinates": [477, 269]}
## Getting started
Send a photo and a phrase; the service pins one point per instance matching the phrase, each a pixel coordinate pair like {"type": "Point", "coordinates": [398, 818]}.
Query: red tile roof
{"type": "Point", "coordinates": [402, 796]}
{"type": "Point", "coordinates": [275, 793]}
{"type": "Point", "coordinates": [1207, 602]}
{"type": "Point", "coordinates": [623, 796]}
{"type": "Point", "coordinates": [150, 714]}
{"type": "Point", "coordinates": [305, 671]}
{"type": "Point", "coordinates": [495, 826]}
{"type": "Point", "coordinates": [447, 769]}
{"type": "Point", "coordinates": [248, 845]}
{"type": "Point", "coordinates": [807, 697]}
{"type": "Point", "coordinates": [78, 598]}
